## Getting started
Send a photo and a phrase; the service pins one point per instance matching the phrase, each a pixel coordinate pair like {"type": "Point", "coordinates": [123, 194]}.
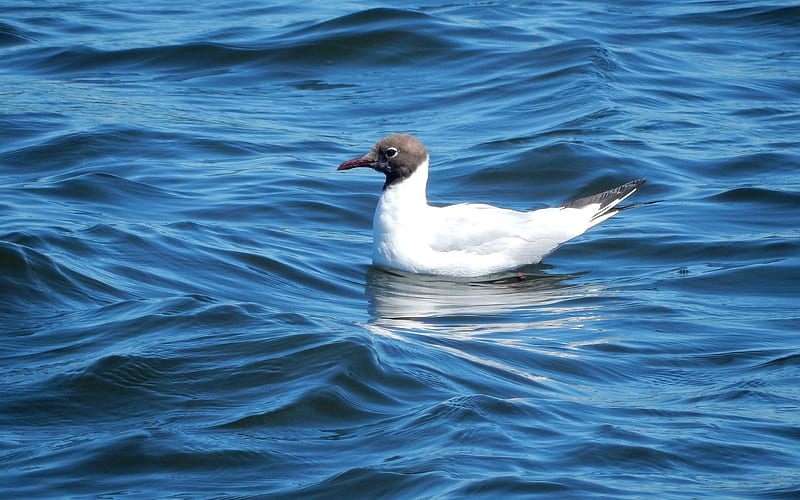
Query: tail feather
{"type": "Point", "coordinates": [606, 201]}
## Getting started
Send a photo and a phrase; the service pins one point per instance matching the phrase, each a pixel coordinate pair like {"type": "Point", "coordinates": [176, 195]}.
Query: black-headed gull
{"type": "Point", "coordinates": [467, 239]}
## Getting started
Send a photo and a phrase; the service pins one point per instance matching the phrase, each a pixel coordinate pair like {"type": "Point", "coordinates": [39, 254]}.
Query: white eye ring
{"type": "Point", "coordinates": [391, 152]}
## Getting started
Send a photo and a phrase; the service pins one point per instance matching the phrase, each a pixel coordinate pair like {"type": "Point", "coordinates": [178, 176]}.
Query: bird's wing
{"type": "Point", "coordinates": [484, 229]}
{"type": "Point", "coordinates": [480, 229]}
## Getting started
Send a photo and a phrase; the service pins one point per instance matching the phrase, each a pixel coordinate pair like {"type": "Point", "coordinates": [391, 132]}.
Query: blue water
{"type": "Point", "coordinates": [187, 303]}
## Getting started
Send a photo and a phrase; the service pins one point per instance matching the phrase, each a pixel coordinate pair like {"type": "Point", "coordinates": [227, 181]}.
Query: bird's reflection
{"type": "Point", "coordinates": [395, 295]}
{"type": "Point", "coordinates": [476, 320]}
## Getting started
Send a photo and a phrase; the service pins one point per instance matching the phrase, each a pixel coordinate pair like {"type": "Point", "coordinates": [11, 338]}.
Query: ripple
{"type": "Point", "coordinates": [197, 58]}
{"type": "Point", "coordinates": [767, 16]}
{"type": "Point", "coordinates": [769, 197]}
{"type": "Point", "coordinates": [74, 153]}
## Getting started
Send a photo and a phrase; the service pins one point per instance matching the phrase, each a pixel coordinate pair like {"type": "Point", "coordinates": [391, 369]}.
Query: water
{"type": "Point", "coordinates": [187, 304]}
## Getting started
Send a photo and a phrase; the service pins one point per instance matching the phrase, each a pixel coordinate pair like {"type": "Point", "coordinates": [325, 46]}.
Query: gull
{"type": "Point", "coordinates": [466, 239]}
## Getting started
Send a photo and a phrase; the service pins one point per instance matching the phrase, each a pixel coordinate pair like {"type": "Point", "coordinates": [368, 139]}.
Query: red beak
{"type": "Point", "coordinates": [356, 162]}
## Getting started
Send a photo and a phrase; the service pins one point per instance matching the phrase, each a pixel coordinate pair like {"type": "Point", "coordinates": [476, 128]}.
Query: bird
{"type": "Point", "coordinates": [465, 239]}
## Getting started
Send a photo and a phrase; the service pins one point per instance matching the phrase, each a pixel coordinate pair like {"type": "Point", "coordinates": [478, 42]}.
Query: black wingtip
{"type": "Point", "coordinates": [606, 198]}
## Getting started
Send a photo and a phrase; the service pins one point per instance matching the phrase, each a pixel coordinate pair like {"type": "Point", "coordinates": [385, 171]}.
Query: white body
{"type": "Point", "coordinates": [466, 239]}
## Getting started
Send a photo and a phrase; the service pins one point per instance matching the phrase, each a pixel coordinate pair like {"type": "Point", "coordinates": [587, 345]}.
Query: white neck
{"type": "Point", "coordinates": [409, 192]}
{"type": "Point", "coordinates": [401, 219]}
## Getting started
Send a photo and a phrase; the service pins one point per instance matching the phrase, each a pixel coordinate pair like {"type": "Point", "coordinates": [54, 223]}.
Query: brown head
{"type": "Point", "coordinates": [396, 156]}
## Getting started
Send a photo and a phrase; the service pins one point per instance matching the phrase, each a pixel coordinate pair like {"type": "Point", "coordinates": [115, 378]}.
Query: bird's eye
{"type": "Point", "coordinates": [391, 152]}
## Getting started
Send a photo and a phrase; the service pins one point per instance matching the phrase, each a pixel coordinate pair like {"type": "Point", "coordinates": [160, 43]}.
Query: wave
{"type": "Point", "coordinates": [108, 156]}
{"type": "Point", "coordinates": [746, 17]}
{"type": "Point", "coordinates": [11, 35]}
{"type": "Point", "coordinates": [376, 38]}
{"type": "Point", "coordinates": [368, 41]}
{"type": "Point", "coordinates": [34, 285]}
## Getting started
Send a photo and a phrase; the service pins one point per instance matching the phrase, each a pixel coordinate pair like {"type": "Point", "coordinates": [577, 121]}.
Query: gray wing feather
{"type": "Point", "coordinates": [607, 199]}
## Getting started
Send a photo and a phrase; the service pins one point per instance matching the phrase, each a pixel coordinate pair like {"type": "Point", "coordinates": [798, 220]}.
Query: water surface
{"type": "Point", "coordinates": [187, 303]}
